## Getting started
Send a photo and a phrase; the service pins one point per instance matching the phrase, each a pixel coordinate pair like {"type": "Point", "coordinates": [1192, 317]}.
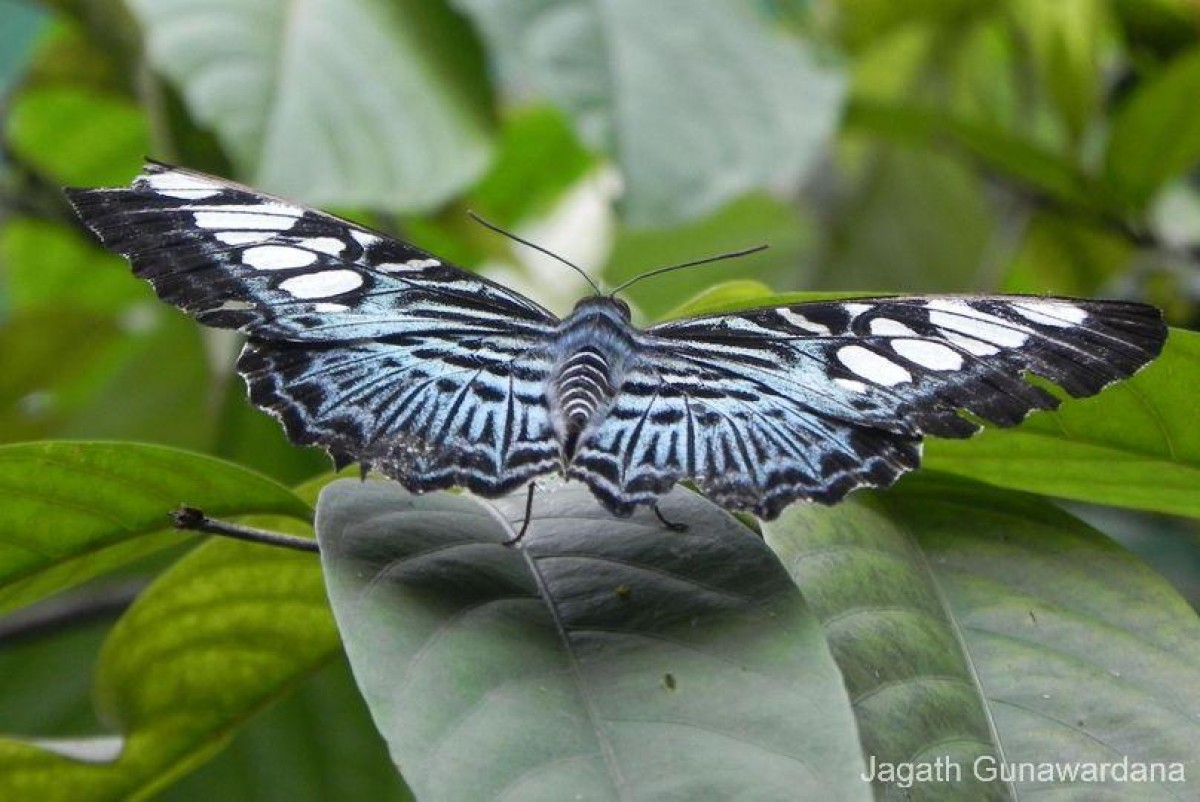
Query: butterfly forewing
{"type": "Point", "coordinates": [358, 342]}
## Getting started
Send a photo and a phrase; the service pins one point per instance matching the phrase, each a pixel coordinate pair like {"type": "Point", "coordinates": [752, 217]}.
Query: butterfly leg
{"type": "Point", "coordinates": [674, 526]}
{"type": "Point", "coordinates": [515, 539]}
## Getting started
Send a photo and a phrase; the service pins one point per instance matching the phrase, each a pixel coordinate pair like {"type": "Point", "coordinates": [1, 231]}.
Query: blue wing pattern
{"type": "Point", "coordinates": [370, 347]}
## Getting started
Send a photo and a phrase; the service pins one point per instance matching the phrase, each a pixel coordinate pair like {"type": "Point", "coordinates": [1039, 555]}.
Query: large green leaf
{"type": "Point", "coordinates": [224, 632]}
{"type": "Point", "coordinates": [1134, 445]}
{"type": "Point", "coordinates": [603, 658]}
{"type": "Point", "coordinates": [1156, 134]}
{"type": "Point", "coordinates": [352, 102]}
{"type": "Point", "coordinates": [70, 511]}
{"type": "Point", "coordinates": [972, 623]}
{"type": "Point", "coordinates": [696, 102]}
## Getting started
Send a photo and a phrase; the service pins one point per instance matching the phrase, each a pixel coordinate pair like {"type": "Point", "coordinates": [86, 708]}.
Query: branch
{"type": "Point", "coordinates": [190, 518]}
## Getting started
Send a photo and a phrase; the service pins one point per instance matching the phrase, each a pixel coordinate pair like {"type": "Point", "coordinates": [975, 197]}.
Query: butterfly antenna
{"type": "Point", "coordinates": [537, 248]}
{"type": "Point", "coordinates": [660, 270]}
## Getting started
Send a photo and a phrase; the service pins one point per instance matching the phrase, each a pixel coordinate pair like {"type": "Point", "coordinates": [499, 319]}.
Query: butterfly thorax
{"type": "Point", "coordinates": [592, 347]}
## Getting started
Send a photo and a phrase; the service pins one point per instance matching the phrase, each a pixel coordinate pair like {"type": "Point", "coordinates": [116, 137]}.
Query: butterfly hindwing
{"type": "Point", "coordinates": [358, 342]}
{"type": "Point", "coordinates": [808, 401]}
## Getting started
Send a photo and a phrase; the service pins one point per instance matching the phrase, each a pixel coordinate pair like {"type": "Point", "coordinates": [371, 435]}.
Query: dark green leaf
{"type": "Point", "coordinates": [972, 622]}
{"type": "Point", "coordinates": [605, 658]}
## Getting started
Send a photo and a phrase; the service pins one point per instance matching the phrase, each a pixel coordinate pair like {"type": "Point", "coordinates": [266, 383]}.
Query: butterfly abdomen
{"type": "Point", "coordinates": [593, 345]}
{"type": "Point", "coordinates": [583, 386]}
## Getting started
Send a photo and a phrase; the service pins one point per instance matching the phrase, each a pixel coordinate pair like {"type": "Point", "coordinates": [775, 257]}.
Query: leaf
{"type": "Point", "coordinates": [995, 148]}
{"type": "Point", "coordinates": [1064, 40]}
{"type": "Point", "coordinates": [603, 658]}
{"type": "Point", "coordinates": [315, 745]}
{"type": "Point", "coordinates": [1156, 133]}
{"type": "Point", "coordinates": [724, 297]}
{"type": "Point", "coordinates": [972, 622]}
{"type": "Point", "coordinates": [1135, 445]}
{"type": "Point", "coordinates": [68, 374]}
{"type": "Point", "coordinates": [538, 160]}
{"type": "Point", "coordinates": [862, 23]}
{"type": "Point", "coordinates": [50, 265]}
{"type": "Point", "coordinates": [224, 632]}
{"type": "Point", "coordinates": [338, 102]}
{"type": "Point", "coordinates": [76, 136]}
{"type": "Point", "coordinates": [698, 103]}
{"type": "Point", "coordinates": [71, 511]}
{"type": "Point", "coordinates": [896, 233]}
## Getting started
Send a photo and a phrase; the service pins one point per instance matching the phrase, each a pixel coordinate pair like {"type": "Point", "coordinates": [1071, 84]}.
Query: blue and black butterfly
{"type": "Point", "coordinates": [388, 356]}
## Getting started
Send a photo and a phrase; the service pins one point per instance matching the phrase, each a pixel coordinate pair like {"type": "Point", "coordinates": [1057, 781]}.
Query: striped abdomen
{"type": "Point", "coordinates": [583, 387]}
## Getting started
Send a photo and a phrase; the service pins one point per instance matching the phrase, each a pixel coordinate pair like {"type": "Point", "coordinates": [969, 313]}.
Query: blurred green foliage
{"type": "Point", "coordinates": [941, 145]}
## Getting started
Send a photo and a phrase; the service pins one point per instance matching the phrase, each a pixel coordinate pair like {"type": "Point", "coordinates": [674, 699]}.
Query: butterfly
{"type": "Point", "coordinates": [388, 356]}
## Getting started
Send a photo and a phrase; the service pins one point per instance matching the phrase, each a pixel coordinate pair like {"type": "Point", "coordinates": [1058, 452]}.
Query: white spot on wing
{"type": "Point", "coordinates": [886, 327]}
{"type": "Point", "coordinates": [965, 319]}
{"type": "Point", "coordinates": [258, 216]}
{"type": "Point", "coordinates": [851, 385]}
{"type": "Point", "coordinates": [934, 356]}
{"type": "Point", "coordinates": [854, 310]}
{"type": "Point", "coordinates": [970, 345]}
{"type": "Point", "coordinates": [330, 245]}
{"type": "Point", "coordinates": [871, 366]}
{"type": "Point", "coordinates": [325, 306]}
{"type": "Point", "coordinates": [801, 322]}
{"type": "Point", "coordinates": [364, 238]}
{"type": "Point", "coordinates": [322, 284]}
{"type": "Point", "coordinates": [277, 257]}
{"type": "Point", "coordinates": [405, 267]}
{"type": "Point", "coordinates": [243, 237]}
{"type": "Point", "coordinates": [181, 186]}
{"type": "Point", "coordinates": [1051, 313]}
